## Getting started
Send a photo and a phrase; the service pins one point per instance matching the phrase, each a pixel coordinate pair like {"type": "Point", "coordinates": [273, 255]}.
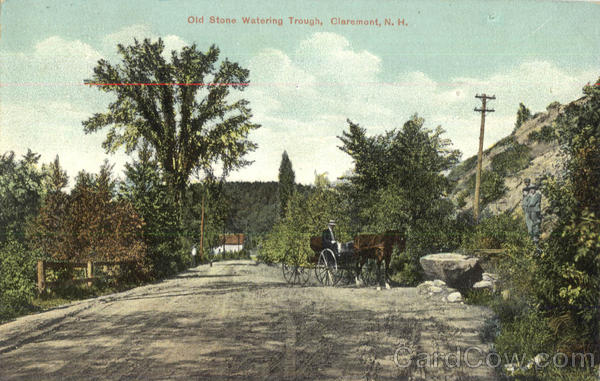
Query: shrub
{"type": "Point", "coordinates": [491, 189]}
{"type": "Point", "coordinates": [523, 115]}
{"type": "Point", "coordinates": [546, 134]}
{"type": "Point", "coordinates": [17, 279]}
{"type": "Point", "coordinates": [513, 159]}
{"type": "Point", "coordinates": [496, 232]}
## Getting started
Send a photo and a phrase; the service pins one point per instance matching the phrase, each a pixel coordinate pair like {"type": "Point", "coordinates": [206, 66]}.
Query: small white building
{"type": "Point", "coordinates": [229, 243]}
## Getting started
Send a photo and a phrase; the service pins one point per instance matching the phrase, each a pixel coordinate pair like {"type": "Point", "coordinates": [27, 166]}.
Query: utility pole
{"type": "Point", "coordinates": [482, 110]}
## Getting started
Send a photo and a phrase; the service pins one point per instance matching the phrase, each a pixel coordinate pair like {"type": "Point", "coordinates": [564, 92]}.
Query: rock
{"type": "Point", "coordinates": [483, 284]}
{"type": "Point", "coordinates": [456, 270]}
{"type": "Point", "coordinates": [439, 283]}
{"type": "Point", "coordinates": [489, 277]}
{"type": "Point", "coordinates": [454, 297]}
{"type": "Point", "coordinates": [435, 289]}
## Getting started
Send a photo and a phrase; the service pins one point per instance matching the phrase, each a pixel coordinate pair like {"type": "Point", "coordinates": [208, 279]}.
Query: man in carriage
{"type": "Point", "coordinates": [328, 238]}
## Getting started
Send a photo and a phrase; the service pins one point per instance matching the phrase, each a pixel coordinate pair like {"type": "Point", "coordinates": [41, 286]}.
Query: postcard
{"type": "Point", "coordinates": [340, 190]}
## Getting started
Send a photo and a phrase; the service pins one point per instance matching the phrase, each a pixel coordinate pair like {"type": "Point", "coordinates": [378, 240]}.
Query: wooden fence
{"type": "Point", "coordinates": [89, 266]}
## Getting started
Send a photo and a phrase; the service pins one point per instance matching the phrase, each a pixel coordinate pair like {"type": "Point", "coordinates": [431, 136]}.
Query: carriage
{"type": "Point", "coordinates": [331, 266]}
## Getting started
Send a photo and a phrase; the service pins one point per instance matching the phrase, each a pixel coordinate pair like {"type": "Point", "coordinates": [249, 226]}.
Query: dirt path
{"type": "Point", "coordinates": [237, 321]}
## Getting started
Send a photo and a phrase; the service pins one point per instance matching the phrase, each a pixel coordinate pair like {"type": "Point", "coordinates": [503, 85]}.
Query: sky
{"type": "Point", "coordinates": [305, 81]}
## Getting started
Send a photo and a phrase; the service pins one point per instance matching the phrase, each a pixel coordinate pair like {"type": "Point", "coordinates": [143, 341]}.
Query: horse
{"type": "Point", "coordinates": [379, 247]}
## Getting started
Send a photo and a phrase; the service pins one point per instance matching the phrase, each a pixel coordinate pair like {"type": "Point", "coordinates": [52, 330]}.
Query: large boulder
{"type": "Point", "coordinates": [457, 270]}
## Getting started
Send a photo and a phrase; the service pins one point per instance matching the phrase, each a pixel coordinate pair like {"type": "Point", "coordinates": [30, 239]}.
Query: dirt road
{"type": "Point", "coordinates": [237, 321]}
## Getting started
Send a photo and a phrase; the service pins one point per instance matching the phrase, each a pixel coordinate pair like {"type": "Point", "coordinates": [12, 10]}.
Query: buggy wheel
{"type": "Point", "coordinates": [293, 272]}
{"type": "Point", "coordinates": [327, 271]}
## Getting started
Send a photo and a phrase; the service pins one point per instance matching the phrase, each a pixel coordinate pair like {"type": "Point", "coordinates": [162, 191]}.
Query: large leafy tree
{"type": "Point", "coordinates": [398, 176]}
{"type": "Point", "coordinates": [286, 182]}
{"type": "Point", "coordinates": [183, 107]}
{"type": "Point", "coordinates": [397, 183]}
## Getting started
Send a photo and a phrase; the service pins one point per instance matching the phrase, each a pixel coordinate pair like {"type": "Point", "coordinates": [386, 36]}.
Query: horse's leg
{"type": "Point", "coordinates": [388, 259]}
{"type": "Point", "coordinates": [379, 258]}
{"type": "Point", "coordinates": [359, 265]}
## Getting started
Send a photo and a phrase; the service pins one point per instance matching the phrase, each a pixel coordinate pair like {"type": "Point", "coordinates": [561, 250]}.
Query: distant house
{"type": "Point", "coordinates": [229, 243]}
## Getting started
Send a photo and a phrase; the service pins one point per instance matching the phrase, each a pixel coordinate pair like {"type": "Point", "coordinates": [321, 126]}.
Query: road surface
{"type": "Point", "coordinates": [238, 321]}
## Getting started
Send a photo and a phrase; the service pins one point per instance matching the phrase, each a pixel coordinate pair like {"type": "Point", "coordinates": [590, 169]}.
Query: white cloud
{"type": "Point", "coordinates": [54, 128]}
{"type": "Point", "coordinates": [303, 100]}
{"type": "Point", "coordinates": [301, 97]}
{"type": "Point", "coordinates": [127, 35]}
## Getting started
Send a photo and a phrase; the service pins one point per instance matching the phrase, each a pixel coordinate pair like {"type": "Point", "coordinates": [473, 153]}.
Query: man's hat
{"type": "Point", "coordinates": [331, 222]}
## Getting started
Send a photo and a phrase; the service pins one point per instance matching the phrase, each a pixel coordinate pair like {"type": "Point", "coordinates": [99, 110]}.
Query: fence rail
{"type": "Point", "coordinates": [89, 266]}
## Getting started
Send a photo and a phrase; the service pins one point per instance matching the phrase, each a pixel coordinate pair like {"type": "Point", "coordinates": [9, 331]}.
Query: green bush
{"type": "Point", "coordinates": [513, 159]}
{"type": "Point", "coordinates": [491, 189]}
{"type": "Point", "coordinates": [496, 232]}
{"type": "Point", "coordinates": [546, 134]}
{"type": "Point", "coordinates": [17, 279]}
{"type": "Point", "coordinates": [523, 115]}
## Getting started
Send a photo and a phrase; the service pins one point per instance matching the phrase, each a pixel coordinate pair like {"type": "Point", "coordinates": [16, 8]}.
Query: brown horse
{"type": "Point", "coordinates": [379, 247]}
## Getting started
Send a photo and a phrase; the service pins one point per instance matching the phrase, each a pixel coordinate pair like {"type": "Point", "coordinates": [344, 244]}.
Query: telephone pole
{"type": "Point", "coordinates": [482, 110]}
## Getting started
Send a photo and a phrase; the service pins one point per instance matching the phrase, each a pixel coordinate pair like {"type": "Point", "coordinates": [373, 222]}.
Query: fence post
{"type": "Point", "coordinates": [89, 273]}
{"type": "Point", "coordinates": [41, 276]}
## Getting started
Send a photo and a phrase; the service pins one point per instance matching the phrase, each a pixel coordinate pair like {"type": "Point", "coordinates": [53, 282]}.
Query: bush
{"type": "Point", "coordinates": [491, 189]}
{"type": "Point", "coordinates": [546, 134]}
{"type": "Point", "coordinates": [496, 232]}
{"type": "Point", "coordinates": [17, 279]}
{"type": "Point", "coordinates": [513, 159]}
{"type": "Point", "coordinates": [523, 115]}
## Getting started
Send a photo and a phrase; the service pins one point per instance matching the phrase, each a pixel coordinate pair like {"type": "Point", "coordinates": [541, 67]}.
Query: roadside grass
{"type": "Point", "coordinates": [519, 330]}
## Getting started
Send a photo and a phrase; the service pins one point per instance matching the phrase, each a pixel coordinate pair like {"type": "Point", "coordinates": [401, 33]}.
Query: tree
{"type": "Point", "coordinates": [398, 184]}
{"type": "Point", "coordinates": [47, 231]}
{"type": "Point", "coordinates": [307, 215]}
{"type": "Point", "coordinates": [182, 108]}
{"type": "Point", "coordinates": [523, 115]}
{"type": "Point", "coordinates": [21, 191]}
{"type": "Point", "coordinates": [286, 183]}
{"type": "Point", "coordinates": [90, 224]}
{"type": "Point", "coordinates": [407, 164]}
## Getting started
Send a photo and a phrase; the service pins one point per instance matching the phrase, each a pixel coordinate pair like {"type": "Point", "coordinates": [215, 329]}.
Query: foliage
{"type": "Point", "coordinates": [216, 209]}
{"type": "Point", "coordinates": [553, 105]}
{"type": "Point", "coordinates": [21, 191]}
{"type": "Point", "coordinates": [398, 172]}
{"type": "Point", "coordinates": [495, 232]}
{"type": "Point", "coordinates": [17, 278]}
{"type": "Point", "coordinates": [513, 159]}
{"type": "Point", "coordinates": [491, 189]}
{"type": "Point", "coordinates": [397, 184]}
{"type": "Point", "coordinates": [307, 215]}
{"type": "Point", "coordinates": [569, 266]}
{"type": "Point", "coordinates": [187, 134]}
{"type": "Point", "coordinates": [546, 134]}
{"type": "Point", "coordinates": [461, 169]}
{"type": "Point", "coordinates": [89, 224]}
{"type": "Point", "coordinates": [253, 206]}
{"type": "Point", "coordinates": [145, 189]}
{"type": "Point", "coordinates": [523, 115]}
{"type": "Point", "coordinates": [286, 183]}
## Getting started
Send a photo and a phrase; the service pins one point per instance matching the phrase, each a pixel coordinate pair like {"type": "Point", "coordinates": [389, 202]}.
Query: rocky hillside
{"type": "Point", "coordinates": [530, 151]}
